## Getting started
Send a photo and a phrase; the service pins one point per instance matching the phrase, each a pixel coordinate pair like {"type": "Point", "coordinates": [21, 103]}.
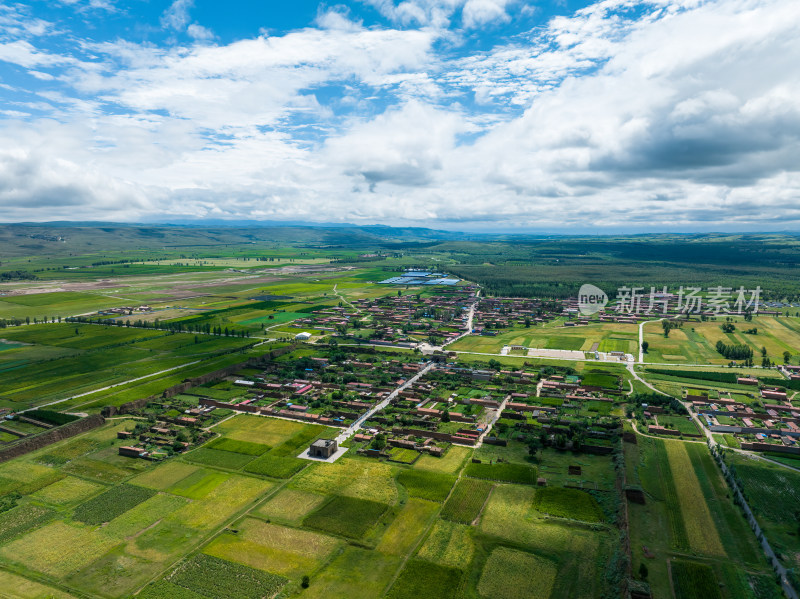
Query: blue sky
{"type": "Point", "coordinates": [563, 115]}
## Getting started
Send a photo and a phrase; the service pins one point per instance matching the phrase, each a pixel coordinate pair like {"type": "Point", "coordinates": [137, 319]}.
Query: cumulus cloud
{"type": "Point", "coordinates": [177, 15]}
{"type": "Point", "coordinates": [440, 13]}
{"type": "Point", "coordinates": [679, 113]}
{"type": "Point", "coordinates": [481, 12]}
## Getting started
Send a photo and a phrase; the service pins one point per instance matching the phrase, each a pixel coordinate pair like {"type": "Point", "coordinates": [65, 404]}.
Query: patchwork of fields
{"type": "Point", "coordinates": [243, 517]}
{"type": "Point", "coordinates": [687, 511]}
{"type": "Point", "coordinates": [695, 342]}
{"type": "Point", "coordinates": [103, 525]}
{"type": "Point", "coordinates": [58, 361]}
{"type": "Point", "coordinates": [605, 337]}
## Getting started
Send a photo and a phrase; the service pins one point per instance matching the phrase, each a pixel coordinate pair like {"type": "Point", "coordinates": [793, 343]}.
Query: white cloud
{"type": "Point", "coordinates": [481, 12]}
{"type": "Point", "coordinates": [24, 54]}
{"type": "Point", "coordinates": [439, 13]}
{"type": "Point", "coordinates": [677, 113]}
{"type": "Point", "coordinates": [177, 15]}
{"type": "Point", "coordinates": [199, 32]}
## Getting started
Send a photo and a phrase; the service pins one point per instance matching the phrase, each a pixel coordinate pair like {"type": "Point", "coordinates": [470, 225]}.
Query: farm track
{"type": "Point", "coordinates": [147, 376]}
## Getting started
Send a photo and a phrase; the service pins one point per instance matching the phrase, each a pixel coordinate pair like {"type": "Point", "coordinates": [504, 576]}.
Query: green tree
{"type": "Point", "coordinates": [645, 346]}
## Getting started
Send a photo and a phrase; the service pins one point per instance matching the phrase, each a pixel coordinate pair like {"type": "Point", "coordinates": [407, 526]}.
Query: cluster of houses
{"type": "Point", "coordinates": [125, 310]}
{"type": "Point", "coordinates": [401, 320]}
{"type": "Point", "coordinates": [174, 431]}
{"type": "Point", "coordinates": [451, 404]}
{"type": "Point", "coordinates": [508, 312]}
{"type": "Point", "coordinates": [329, 393]}
{"type": "Point", "coordinates": [772, 423]}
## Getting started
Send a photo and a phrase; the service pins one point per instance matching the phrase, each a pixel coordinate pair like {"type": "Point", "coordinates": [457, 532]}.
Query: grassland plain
{"type": "Point", "coordinates": [510, 574]}
{"type": "Point", "coordinates": [91, 358]}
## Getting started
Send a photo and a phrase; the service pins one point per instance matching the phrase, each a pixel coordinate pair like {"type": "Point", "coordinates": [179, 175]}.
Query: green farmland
{"type": "Point", "coordinates": [555, 506]}
{"type": "Point", "coordinates": [58, 361]}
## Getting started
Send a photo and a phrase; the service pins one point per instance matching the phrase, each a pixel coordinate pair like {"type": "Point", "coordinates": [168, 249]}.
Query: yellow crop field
{"type": "Point", "coordinates": [165, 475]}
{"type": "Point", "coordinates": [27, 589]}
{"type": "Point", "coordinates": [67, 490]}
{"type": "Point", "coordinates": [700, 527]}
{"type": "Point", "coordinates": [448, 464]}
{"type": "Point", "coordinates": [277, 549]}
{"type": "Point", "coordinates": [352, 477]}
{"type": "Point", "coordinates": [257, 429]}
{"type": "Point", "coordinates": [291, 505]}
{"type": "Point", "coordinates": [224, 501]}
{"type": "Point", "coordinates": [58, 549]}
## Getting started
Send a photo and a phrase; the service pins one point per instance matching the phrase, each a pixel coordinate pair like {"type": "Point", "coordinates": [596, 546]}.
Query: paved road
{"type": "Point", "coordinates": [427, 348]}
{"type": "Point", "coordinates": [147, 376]}
{"type": "Point", "coordinates": [495, 417]}
{"type": "Point", "coordinates": [351, 430]}
{"type": "Point", "coordinates": [644, 382]}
